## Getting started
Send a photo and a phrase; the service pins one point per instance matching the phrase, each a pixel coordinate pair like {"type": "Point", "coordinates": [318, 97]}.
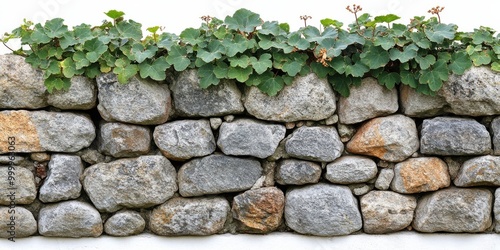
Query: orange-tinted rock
{"type": "Point", "coordinates": [18, 126]}
{"type": "Point", "coordinates": [417, 175]}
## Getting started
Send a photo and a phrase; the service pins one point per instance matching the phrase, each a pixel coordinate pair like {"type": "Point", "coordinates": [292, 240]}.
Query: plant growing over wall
{"type": "Point", "coordinates": [265, 54]}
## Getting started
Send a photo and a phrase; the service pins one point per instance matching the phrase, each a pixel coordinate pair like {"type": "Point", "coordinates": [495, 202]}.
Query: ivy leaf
{"type": "Point", "coordinates": [271, 85]}
{"type": "Point", "coordinates": [167, 40]}
{"type": "Point", "coordinates": [345, 39]}
{"type": "Point", "coordinates": [57, 82]}
{"type": "Point", "coordinates": [155, 70]}
{"type": "Point", "coordinates": [496, 49]}
{"type": "Point", "coordinates": [140, 53]}
{"type": "Point", "coordinates": [243, 20]}
{"type": "Point", "coordinates": [242, 61]}
{"type": "Point", "coordinates": [55, 28]}
{"type": "Point", "coordinates": [408, 78]}
{"type": "Point", "coordinates": [330, 22]}
{"type": "Point", "coordinates": [211, 52]}
{"type": "Point", "coordinates": [238, 44]}
{"type": "Point", "coordinates": [320, 70]}
{"type": "Point", "coordinates": [67, 40]}
{"type": "Point", "coordinates": [420, 40]}
{"type": "Point", "coordinates": [434, 77]}
{"type": "Point", "coordinates": [272, 28]}
{"type": "Point", "coordinates": [177, 56]}
{"type": "Point", "coordinates": [357, 70]}
{"type": "Point", "coordinates": [191, 36]}
{"type": "Point", "coordinates": [342, 83]}
{"type": "Point", "coordinates": [262, 64]}
{"type": "Point", "coordinates": [386, 18]}
{"type": "Point", "coordinates": [69, 68]}
{"type": "Point", "coordinates": [385, 42]}
{"type": "Point", "coordinates": [375, 57]}
{"type": "Point", "coordinates": [312, 34]}
{"type": "Point", "coordinates": [409, 52]}
{"type": "Point", "coordinates": [207, 76]}
{"type": "Point", "coordinates": [425, 61]}
{"type": "Point", "coordinates": [482, 58]}
{"type": "Point", "coordinates": [114, 14]}
{"type": "Point", "coordinates": [130, 29]}
{"type": "Point", "coordinates": [38, 35]}
{"type": "Point", "coordinates": [125, 71]}
{"type": "Point", "coordinates": [95, 49]}
{"type": "Point", "coordinates": [292, 68]}
{"type": "Point", "coordinates": [221, 70]}
{"type": "Point", "coordinates": [82, 33]}
{"type": "Point", "coordinates": [460, 62]}
{"type": "Point", "coordinates": [437, 33]}
{"type": "Point", "coordinates": [295, 39]}
{"type": "Point", "coordinates": [339, 64]}
{"type": "Point", "coordinates": [285, 27]}
{"type": "Point", "coordinates": [398, 29]}
{"type": "Point", "coordinates": [239, 73]}
{"type": "Point", "coordinates": [495, 66]}
{"type": "Point", "coordinates": [389, 79]}
{"type": "Point", "coordinates": [481, 36]}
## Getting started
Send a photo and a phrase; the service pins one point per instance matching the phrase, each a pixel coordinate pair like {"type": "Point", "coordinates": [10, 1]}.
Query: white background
{"type": "Point", "coordinates": [177, 15]}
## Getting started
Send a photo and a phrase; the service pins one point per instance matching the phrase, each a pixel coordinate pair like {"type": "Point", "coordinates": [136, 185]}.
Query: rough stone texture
{"type": "Point", "coordinates": [125, 223]}
{"type": "Point", "coordinates": [415, 104]}
{"type": "Point", "coordinates": [360, 189]}
{"type": "Point", "coordinates": [215, 123]}
{"type": "Point", "coordinates": [21, 86]}
{"type": "Point", "coordinates": [70, 219]}
{"type": "Point", "coordinates": [384, 179]}
{"type": "Point", "coordinates": [23, 225]}
{"type": "Point", "coordinates": [479, 171]}
{"type": "Point", "coordinates": [315, 143]}
{"type": "Point", "coordinates": [475, 93]}
{"type": "Point", "coordinates": [82, 94]}
{"type": "Point", "coordinates": [250, 137]}
{"type": "Point", "coordinates": [140, 101]}
{"type": "Point", "coordinates": [191, 100]}
{"type": "Point", "coordinates": [215, 174]}
{"type": "Point", "coordinates": [495, 127]}
{"type": "Point", "coordinates": [269, 171]}
{"type": "Point", "coordinates": [40, 157]}
{"type": "Point", "coordinates": [496, 210]}
{"type": "Point", "coordinates": [23, 182]}
{"type": "Point", "coordinates": [367, 101]}
{"type": "Point", "coordinates": [422, 174]}
{"type": "Point", "coordinates": [38, 131]}
{"type": "Point", "coordinates": [386, 211]}
{"type": "Point", "coordinates": [346, 132]}
{"type": "Point", "coordinates": [9, 159]}
{"type": "Point", "coordinates": [123, 140]}
{"type": "Point", "coordinates": [63, 179]}
{"type": "Point", "coordinates": [190, 216]}
{"type": "Point", "coordinates": [259, 210]}
{"type": "Point", "coordinates": [454, 165]}
{"type": "Point", "coordinates": [185, 139]}
{"type": "Point", "coordinates": [454, 136]}
{"type": "Point", "coordinates": [322, 210]}
{"type": "Point", "coordinates": [392, 138]}
{"type": "Point", "coordinates": [456, 210]}
{"type": "Point", "coordinates": [297, 172]}
{"type": "Point", "coordinates": [132, 183]}
{"type": "Point", "coordinates": [307, 98]}
{"type": "Point", "coordinates": [91, 156]}
{"type": "Point", "coordinates": [351, 169]}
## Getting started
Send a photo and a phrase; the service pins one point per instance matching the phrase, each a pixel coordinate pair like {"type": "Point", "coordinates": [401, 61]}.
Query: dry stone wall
{"type": "Point", "coordinates": [174, 159]}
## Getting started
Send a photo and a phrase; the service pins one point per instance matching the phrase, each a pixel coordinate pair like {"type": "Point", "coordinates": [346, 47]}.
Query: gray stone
{"type": "Point", "coordinates": [475, 93]}
{"type": "Point", "coordinates": [39, 131]}
{"type": "Point", "coordinates": [190, 100]}
{"type": "Point", "coordinates": [229, 118]}
{"type": "Point", "coordinates": [384, 179]}
{"type": "Point", "coordinates": [495, 127]}
{"type": "Point", "coordinates": [131, 183]}
{"type": "Point", "coordinates": [421, 174]}
{"type": "Point", "coordinates": [16, 222]}
{"type": "Point", "coordinates": [496, 210]}
{"type": "Point", "coordinates": [366, 101]}
{"type": "Point", "coordinates": [392, 138]}
{"type": "Point", "coordinates": [456, 210]}
{"type": "Point", "coordinates": [125, 223]}
{"type": "Point", "coordinates": [320, 143]}
{"type": "Point", "coordinates": [190, 216]}
{"type": "Point", "coordinates": [479, 171]}
{"type": "Point", "coordinates": [351, 169]}
{"type": "Point", "coordinates": [415, 104]}
{"type": "Point", "coordinates": [140, 101]}
{"type": "Point", "coordinates": [346, 132]}
{"type": "Point", "coordinates": [63, 179]}
{"type": "Point", "coordinates": [70, 219]}
{"type": "Point", "coordinates": [454, 136]}
{"type": "Point", "coordinates": [215, 174]}
{"type": "Point", "coordinates": [454, 165]}
{"type": "Point", "coordinates": [307, 98]}
{"type": "Point", "coordinates": [386, 211]}
{"type": "Point", "coordinates": [17, 184]}
{"type": "Point", "coordinates": [40, 157]}
{"type": "Point", "coordinates": [21, 86]}
{"type": "Point", "coordinates": [269, 171]}
{"type": "Point", "coordinates": [82, 94]}
{"type": "Point", "coordinates": [91, 156]}
{"type": "Point", "coordinates": [332, 120]}
{"type": "Point", "coordinates": [123, 140]}
{"type": "Point", "coordinates": [360, 189]}
{"type": "Point", "coordinates": [322, 210]}
{"type": "Point", "coordinates": [215, 123]}
{"type": "Point", "coordinates": [250, 137]}
{"type": "Point", "coordinates": [297, 172]}
{"type": "Point", "coordinates": [11, 160]}
{"type": "Point", "coordinates": [185, 139]}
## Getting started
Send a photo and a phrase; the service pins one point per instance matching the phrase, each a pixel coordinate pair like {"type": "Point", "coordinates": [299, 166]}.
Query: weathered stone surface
{"type": "Point", "coordinates": [123, 140]}
{"type": "Point", "coordinates": [40, 157]}
{"type": "Point", "coordinates": [384, 179]}
{"type": "Point", "coordinates": [92, 156]}
{"type": "Point", "coordinates": [38, 131]}
{"type": "Point", "coordinates": [140, 101]}
{"type": "Point", "coordinates": [386, 211]}
{"type": "Point", "coordinates": [415, 104]}
{"type": "Point", "coordinates": [454, 136]}
{"type": "Point", "coordinates": [132, 183]}
{"type": "Point", "coordinates": [307, 98]}
{"type": "Point", "coordinates": [322, 210]}
{"type": "Point", "coordinates": [320, 143]}
{"type": "Point", "coordinates": [479, 171]}
{"type": "Point", "coordinates": [23, 224]}
{"type": "Point", "coordinates": [351, 169]}
{"type": "Point", "coordinates": [185, 139]}
{"type": "Point", "coordinates": [125, 223]}
{"type": "Point", "coordinates": [215, 174]}
{"type": "Point", "coordinates": [63, 179]}
{"type": "Point", "coordinates": [215, 123]}
{"type": "Point", "coordinates": [495, 127]}
{"type": "Point", "coordinates": [190, 216]}
{"type": "Point", "coordinates": [9, 159]}
{"type": "Point", "coordinates": [475, 93]}
{"type": "Point", "coordinates": [19, 188]}
{"type": "Point", "coordinates": [82, 94]}
{"type": "Point", "coordinates": [250, 137]}
{"type": "Point", "coordinates": [496, 210]}
{"type": "Point", "coordinates": [367, 101]}
{"type": "Point", "coordinates": [259, 210]}
{"type": "Point", "coordinates": [70, 219]}
{"type": "Point", "coordinates": [422, 174]}
{"type": "Point", "coordinates": [360, 189]}
{"type": "Point", "coordinates": [456, 210]}
{"type": "Point", "coordinates": [21, 86]}
{"type": "Point", "coordinates": [191, 100]}
{"type": "Point", "coordinates": [297, 172]}
{"type": "Point", "coordinates": [391, 138]}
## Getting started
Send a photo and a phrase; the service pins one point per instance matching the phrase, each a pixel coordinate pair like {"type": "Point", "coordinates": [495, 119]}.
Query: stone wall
{"type": "Point", "coordinates": [174, 159]}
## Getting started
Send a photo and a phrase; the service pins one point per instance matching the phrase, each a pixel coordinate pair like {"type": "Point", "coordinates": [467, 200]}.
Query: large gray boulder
{"type": "Point", "coordinates": [479, 171]}
{"type": "Point", "coordinates": [17, 185]}
{"type": "Point", "coordinates": [307, 98]}
{"type": "Point", "coordinates": [16, 222]}
{"type": "Point", "coordinates": [414, 104]}
{"type": "Point", "coordinates": [351, 169]}
{"type": "Point", "coordinates": [454, 136]}
{"type": "Point", "coordinates": [123, 140]}
{"type": "Point", "coordinates": [321, 143]}
{"type": "Point", "coordinates": [297, 172]}
{"type": "Point", "coordinates": [422, 174]}
{"type": "Point", "coordinates": [130, 183]}
{"type": "Point", "coordinates": [125, 223]}
{"type": "Point", "coordinates": [250, 137]}
{"type": "Point", "coordinates": [63, 179]}
{"type": "Point", "coordinates": [82, 94]}
{"type": "Point", "coordinates": [322, 210]}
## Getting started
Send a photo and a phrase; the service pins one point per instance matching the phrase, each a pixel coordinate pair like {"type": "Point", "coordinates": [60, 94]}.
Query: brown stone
{"type": "Point", "coordinates": [422, 174]}
{"type": "Point", "coordinates": [18, 125]}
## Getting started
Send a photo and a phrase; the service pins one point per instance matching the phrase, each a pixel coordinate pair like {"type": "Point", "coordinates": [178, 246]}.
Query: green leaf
{"type": "Point", "coordinates": [238, 44]}
{"type": "Point", "coordinates": [242, 61]}
{"type": "Point", "coordinates": [330, 22]}
{"type": "Point", "coordinates": [398, 29]}
{"type": "Point", "coordinates": [55, 28]}
{"type": "Point", "coordinates": [425, 61]}
{"type": "Point", "coordinates": [114, 14]}
{"type": "Point", "coordinates": [272, 28]}
{"type": "Point", "coordinates": [191, 36]}
{"type": "Point", "coordinates": [312, 34]}
{"type": "Point", "coordinates": [82, 33]}
{"type": "Point", "coordinates": [243, 20]}
{"type": "Point", "coordinates": [408, 78]}
{"type": "Point", "coordinates": [38, 35]}
{"type": "Point", "coordinates": [320, 70]}
{"type": "Point", "coordinates": [409, 52]}
{"type": "Point", "coordinates": [153, 29]}
{"type": "Point", "coordinates": [285, 27]}
{"type": "Point", "coordinates": [481, 58]}
{"type": "Point", "coordinates": [95, 49]}
{"type": "Point", "coordinates": [357, 70]}
{"type": "Point", "coordinates": [221, 70]}
{"type": "Point", "coordinates": [262, 64]}
{"type": "Point", "coordinates": [239, 73]}
{"type": "Point", "coordinates": [130, 29]}
{"type": "Point", "coordinates": [207, 76]}
{"type": "Point", "coordinates": [155, 70]}
{"type": "Point", "coordinates": [437, 33]}
{"type": "Point", "coordinates": [420, 40]}
{"type": "Point", "coordinates": [460, 62]}
{"type": "Point", "coordinates": [435, 76]}
{"type": "Point", "coordinates": [445, 56]}
{"type": "Point", "coordinates": [140, 53]}
{"type": "Point", "coordinates": [271, 85]}
{"type": "Point", "coordinates": [342, 83]}
{"type": "Point", "coordinates": [53, 68]}
{"type": "Point", "coordinates": [167, 40]}
{"type": "Point", "coordinates": [177, 56]}
{"type": "Point", "coordinates": [385, 42]}
{"type": "Point", "coordinates": [496, 49]}
{"type": "Point", "coordinates": [495, 66]}
{"type": "Point", "coordinates": [481, 36]}
{"type": "Point", "coordinates": [389, 79]}
{"type": "Point", "coordinates": [57, 82]}
{"type": "Point", "coordinates": [295, 39]}
{"type": "Point", "coordinates": [211, 52]}
{"type": "Point", "coordinates": [375, 57]}
{"type": "Point", "coordinates": [93, 71]}
{"type": "Point", "coordinates": [67, 40]}
{"type": "Point", "coordinates": [68, 67]}
{"type": "Point", "coordinates": [292, 68]}
{"type": "Point", "coordinates": [125, 72]}
{"type": "Point", "coordinates": [386, 18]}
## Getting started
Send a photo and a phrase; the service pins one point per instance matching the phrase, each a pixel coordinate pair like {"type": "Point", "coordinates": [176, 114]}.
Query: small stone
{"type": "Point", "coordinates": [346, 132]}
{"type": "Point", "coordinates": [479, 171]}
{"type": "Point", "coordinates": [319, 143]}
{"type": "Point", "coordinates": [63, 179]}
{"type": "Point", "coordinates": [290, 125]}
{"type": "Point", "coordinates": [82, 94]}
{"type": "Point", "coordinates": [414, 104]}
{"type": "Point", "coordinates": [280, 152]}
{"type": "Point", "coordinates": [125, 223]}
{"type": "Point", "coordinates": [40, 157]}
{"type": "Point", "coordinates": [123, 140]}
{"type": "Point", "coordinates": [23, 224]}
{"type": "Point", "coordinates": [332, 120]}
{"type": "Point", "coordinates": [300, 124]}
{"type": "Point", "coordinates": [384, 179]}
{"type": "Point", "coordinates": [496, 210]}
{"type": "Point", "coordinates": [269, 170]}
{"type": "Point", "coordinates": [21, 190]}
{"type": "Point", "coordinates": [495, 127]}
{"type": "Point", "coordinates": [360, 189]}
{"type": "Point", "coordinates": [215, 123]}
{"type": "Point", "coordinates": [91, 156]}
{"type": "Point", "coordinates": [454, 165]}
{"type": "Point", "coordinates": [351, 169]}
{"type": "Point", "coordinates": [229, 118]}
{"type": "Point", "coordinates": [417, 175]}
{"type": "Point", "coordinates": [297, 172]}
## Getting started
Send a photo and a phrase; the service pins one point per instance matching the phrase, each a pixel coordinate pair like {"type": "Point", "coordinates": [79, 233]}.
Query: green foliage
{"type": "Point", "coordinates": [265, 54]}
